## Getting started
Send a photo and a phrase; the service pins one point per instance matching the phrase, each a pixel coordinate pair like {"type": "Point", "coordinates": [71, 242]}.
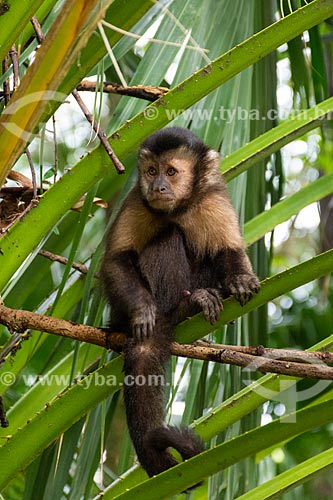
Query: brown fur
{"type": "Point", "coordinates": [134, 226]}
{"type": "Point", "coordinates": [218, 223]}
{"type": "Point", "coordinates": [174, 250]}
{"type": "Point", "coordinates": [214, 215]}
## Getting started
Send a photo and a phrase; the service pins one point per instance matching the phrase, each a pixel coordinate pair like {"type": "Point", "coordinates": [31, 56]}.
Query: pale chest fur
{"type": "Point", "coordinates": [211, 226]}
{"type": "Point", "coordinates": [134, 227]}
{"type": "Point", "coordinates": [208, 227]}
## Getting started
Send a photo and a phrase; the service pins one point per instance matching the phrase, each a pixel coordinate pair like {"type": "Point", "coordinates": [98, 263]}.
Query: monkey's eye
{"type": "Point", "coordinates": [171, 171]}
{"type": "Point", "coordinates": [151, 171]}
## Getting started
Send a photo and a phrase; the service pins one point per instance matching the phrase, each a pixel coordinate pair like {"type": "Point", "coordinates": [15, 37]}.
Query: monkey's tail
{"type": "Point", "coordinates": [157, 442]}
{"type": "Point", "coordinates": [144, 402]}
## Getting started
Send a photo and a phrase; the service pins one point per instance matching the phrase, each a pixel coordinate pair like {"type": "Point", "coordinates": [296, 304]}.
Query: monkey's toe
{"type": "Point", "coordinates": [143, 323]}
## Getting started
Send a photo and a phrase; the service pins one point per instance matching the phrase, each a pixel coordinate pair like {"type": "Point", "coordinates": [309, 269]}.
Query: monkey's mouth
{"type": "Point", "coordinates": [161, 202]}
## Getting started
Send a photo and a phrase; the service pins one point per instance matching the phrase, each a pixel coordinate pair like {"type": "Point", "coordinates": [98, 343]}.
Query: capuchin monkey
{"type": "Point", "coordinates": [175, 249]}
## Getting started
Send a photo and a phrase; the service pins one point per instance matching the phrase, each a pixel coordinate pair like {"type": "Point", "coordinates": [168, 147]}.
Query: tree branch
{"type": "Point", "coordinates": [268, 352]}
{"type": "Point", "coordinates": [231, 355]}
{"type": "Point", "coordinates": [148, 92]}
{"type": "Point", "coordinates": [308, 365]}
{"type": "Point", "coordinates": [63, 260]}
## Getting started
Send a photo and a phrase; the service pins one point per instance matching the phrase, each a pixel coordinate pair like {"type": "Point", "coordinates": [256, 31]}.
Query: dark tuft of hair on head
{"type": "Point", "coordinates": [173, 138]}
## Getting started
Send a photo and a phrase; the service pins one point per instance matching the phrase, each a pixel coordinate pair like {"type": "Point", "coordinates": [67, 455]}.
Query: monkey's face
{"type": "Point", "coordinates": [166, 179]}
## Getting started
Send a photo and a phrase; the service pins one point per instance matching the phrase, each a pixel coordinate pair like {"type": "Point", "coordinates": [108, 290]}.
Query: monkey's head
{"type": "Point", "coordinates": [174, 164]}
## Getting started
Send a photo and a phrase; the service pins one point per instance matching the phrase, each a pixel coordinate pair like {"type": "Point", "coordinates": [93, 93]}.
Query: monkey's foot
{"type": "Point", "coordinates": [242, 287]}
{"type": "Point", "coordinates": [143, 322]}
{"type": "Point", "coordinates": [210, 302]}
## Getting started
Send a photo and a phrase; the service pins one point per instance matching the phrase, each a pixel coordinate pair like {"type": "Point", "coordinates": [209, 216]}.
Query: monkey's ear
{"type": "Point", "coordinates": [213, 159]}
{"type": "Point", "coordinates": [145, 155]}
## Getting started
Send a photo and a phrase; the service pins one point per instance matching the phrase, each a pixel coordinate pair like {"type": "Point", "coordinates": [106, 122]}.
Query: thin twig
{"type": "Point", "coordinates": [33, 173]}
{"type": "Point", "coordinates": [63, 260]}
{"type": "Point", "coordinates": [6, 84]}
{"type": "Point", "coordinates": [55, 142]}
{"type": "Point", "coordinates": [16, 68]}
{"type": "Point", "coordinates": [19, 321]}
{"type": "Point", "coordinates": [101, 134]}
{"type": "Point", "coordinates": [148, 92]}
{"type": "Point", "coordinates": [38, 29]}
{"type": "Point", "coordinates": [111, 54]}
{"type": "Point", "coordinates": [182, 28]}
{"type": "Point", "coordinates": [154, 40]}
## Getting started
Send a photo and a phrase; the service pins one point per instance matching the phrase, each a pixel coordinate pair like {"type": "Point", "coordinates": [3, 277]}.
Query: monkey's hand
{"type": "Point", "coordinates": [143, 322]}
{"type": "Point", "coordinates": [209, 301]}
{"type": "Point", "coordinates": [242, 287]}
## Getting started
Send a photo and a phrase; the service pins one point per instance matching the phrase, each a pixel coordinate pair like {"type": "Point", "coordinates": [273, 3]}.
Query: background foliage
{"type": "Point", "coordinates": [73, 446]}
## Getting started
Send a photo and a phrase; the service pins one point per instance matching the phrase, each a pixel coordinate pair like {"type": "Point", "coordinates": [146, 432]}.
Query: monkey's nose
{"type": "Point", "coordinates": [160, 188]}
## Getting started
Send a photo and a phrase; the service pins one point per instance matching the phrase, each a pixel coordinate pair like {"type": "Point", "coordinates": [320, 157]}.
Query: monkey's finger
{"type": "Point", "coordinates": [206, 311]}
{"type": "Point", "coordinates": [244, 287]}
{"type": "Point", "coordinates": [200, 298]}
{"type": "Point", "coordinates": [144, 331]}
{"type": "Point", "coordinates": [244, 294]}
{"type": "Point", "coordinates": [254, 286]}
{"type": "Point", "coordinates": [247, 295]}
{"type": "Point", "coordinates": [244, 298]}
{"type": "Point", "coordinates": [205, 301]}
{"type": "Point", "coordinates": [151, 325]}
{"type": "Point", "coordinates": [150, 328]}
{"type": "Point", "coordinates": [137, 333]}
{"type": "Point", "coordinates": [216, 305]}
{"type": "Point", "coordinates": [214, 313]}
{"type": "Point", "coordinates": [239, 293]}
{"type": "Point", "coordinates": [209, 310]}
{"type": "Point", "coordinates": [216, 297]}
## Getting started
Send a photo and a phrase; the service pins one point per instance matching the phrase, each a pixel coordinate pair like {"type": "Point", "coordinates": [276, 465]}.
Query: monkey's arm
{"type": "Point", "coordinates": [127, 292]}
{"type": "Point", "coordinates": [236, 274]}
